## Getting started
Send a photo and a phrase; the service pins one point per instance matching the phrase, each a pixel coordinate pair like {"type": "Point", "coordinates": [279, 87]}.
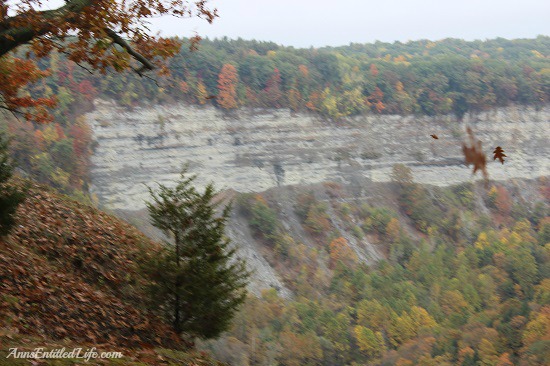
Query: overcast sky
{"type": "Point", "coordinates": [305, 23]}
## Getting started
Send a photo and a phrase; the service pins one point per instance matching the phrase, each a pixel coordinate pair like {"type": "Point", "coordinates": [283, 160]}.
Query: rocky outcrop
{"type": "Point", "coordinates": [256, 151]}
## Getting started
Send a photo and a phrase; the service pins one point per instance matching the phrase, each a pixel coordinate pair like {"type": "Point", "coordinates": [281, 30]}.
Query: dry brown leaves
{"type": "Point", "coordinates": [473, 154]}
{"type": "Point", "coordinates": [68, 271]}
{"type": "Point", "coordinates": [499, 154]}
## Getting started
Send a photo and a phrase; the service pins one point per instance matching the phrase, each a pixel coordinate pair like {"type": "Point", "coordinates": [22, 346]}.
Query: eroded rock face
{"type": "Point", "coordinates": [257, 151]}
{"type": "Point", "coordinates": [254, 151]}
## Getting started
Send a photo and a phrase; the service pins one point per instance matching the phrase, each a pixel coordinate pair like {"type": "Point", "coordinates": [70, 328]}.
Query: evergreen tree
{"type": "Point", "coordinates": [198, 281]}
{"type": "Point", "coordinates": [10, 197]}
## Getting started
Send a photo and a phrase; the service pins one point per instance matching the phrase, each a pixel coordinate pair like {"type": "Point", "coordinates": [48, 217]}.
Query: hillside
{"type": "Point", "coordinates": [70, 278]}
{"type": "Point", "coordinates": [402, 274]}
{"type": "Point", "coordinates": [259, 151]}
{"type": "Point", "coordinates": [371, 242]}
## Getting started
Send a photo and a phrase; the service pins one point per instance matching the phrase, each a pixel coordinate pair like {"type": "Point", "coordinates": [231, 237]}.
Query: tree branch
{"type": "Point", "coordinates": [122, 43]}
{"type": "Point", "coordinates": [12, 35]}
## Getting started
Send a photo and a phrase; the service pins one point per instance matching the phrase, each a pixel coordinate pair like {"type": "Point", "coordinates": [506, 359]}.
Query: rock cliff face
{"type": "Point", "coordinates": [254, 152]}
{"type": "Point", "coordinates": [257, 150]}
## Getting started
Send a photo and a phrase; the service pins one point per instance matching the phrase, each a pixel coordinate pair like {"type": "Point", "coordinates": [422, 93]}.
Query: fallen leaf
{"type": "Point", "coordinates": [499, 154]}
{"type": "Point", "coordinates": [473, 154]}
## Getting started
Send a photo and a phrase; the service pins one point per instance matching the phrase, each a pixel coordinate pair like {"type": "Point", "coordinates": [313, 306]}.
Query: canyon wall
{"type": "Point", "coordinates": [255, 150]}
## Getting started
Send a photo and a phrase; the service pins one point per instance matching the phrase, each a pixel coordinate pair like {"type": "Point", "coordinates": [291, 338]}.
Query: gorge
{"type": "Point", "coordinates": [255, 150]}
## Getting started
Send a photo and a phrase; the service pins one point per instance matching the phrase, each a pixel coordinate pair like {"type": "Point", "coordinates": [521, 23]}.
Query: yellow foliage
{"type": "Point", "coordinates": [49, 134]}
{"type": "Point", "coordinates": [392, 229]}
{"type": "Point", "coordinates": [404, 362]}
{"type": "Point", "coordinates": [399, 86]}
{"type": "Point", "coordinates": [481, 241]}
{"type": "Point", "coordinates": [542, 292]}
{"type": "Point", "coordinates": [60, 177]}
{"type": "Point", "coordinates": [421, 318]}
{"type": "Point", "coordinates": [370, 313]}
{"type": "Point", "coordinates": [465, 352]}
{"type": "Point", "coordinates": [201, 93]}
{"type": "Point", "coordinates": [369, 342]}
{"type": "Point", "coordinates": [538, 328]}
{"type": "Point", "coordinates": [340, 251]}
{"type": "Point", "coordinates": [452, 302]}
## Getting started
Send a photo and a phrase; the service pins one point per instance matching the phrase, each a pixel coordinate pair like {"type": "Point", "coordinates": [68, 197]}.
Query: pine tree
{"type": "Point", "coordinates": [10, 196]}
{"type": "Point", "coordinates": [198, 281]}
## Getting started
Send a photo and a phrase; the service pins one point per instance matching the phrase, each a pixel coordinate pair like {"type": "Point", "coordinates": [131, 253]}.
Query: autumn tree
{"type": "Point", "coordinates": [369, 342]}
{"type": "Point", "coordinates": [227, 87]}
{"type": "Point", "coordinates": [200, 93]}
{"type": "Point", "coordinates": [340, 251]}
{"type": "Point", "coordinates": [15, 73]}
{"type": "Point", "coordinates": [99, 33]}
{"type": "Point", "coordinates": [198, 281]}
{"type": "Point", "coordinates": [294, 99]}
{"type": "Point", "coordinates": [272, 93]}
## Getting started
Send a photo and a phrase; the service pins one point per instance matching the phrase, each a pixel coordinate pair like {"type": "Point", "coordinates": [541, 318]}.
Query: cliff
{"type": "Point", "coordinates": [253, 151]}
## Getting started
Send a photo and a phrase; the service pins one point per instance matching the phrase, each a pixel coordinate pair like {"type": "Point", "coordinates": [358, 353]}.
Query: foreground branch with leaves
{"type": "Point", "coordinates": [99, 33]}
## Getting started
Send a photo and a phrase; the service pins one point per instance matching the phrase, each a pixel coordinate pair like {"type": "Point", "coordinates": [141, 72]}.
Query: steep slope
{"type": "Point", "coordinates": [69, 276]}
{"type": "Point", "coordinates": [466, 269]}
{"type": "Point", "coordinates": [257, 150]}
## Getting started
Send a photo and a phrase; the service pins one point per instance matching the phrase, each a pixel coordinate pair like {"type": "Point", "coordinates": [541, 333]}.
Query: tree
{"type": "Point", "coordinates": [340, 251]}
{"type": "Point", "coordinates": [227, 87]}
{"type": "Point", "coordinates": [100, 33]}
{"type": "Point", "coordinates": [198, 281]}
{"type": "Point", "coordinates": [369, 342]}
{"type": "Point", "coordinates": [10, 197]}
{"type": "Point", "coordinates": [201, 93]}
{"type": "Point", "coordinates": [272, 93]}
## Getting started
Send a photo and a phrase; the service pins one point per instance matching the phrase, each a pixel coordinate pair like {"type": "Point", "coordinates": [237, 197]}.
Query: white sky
{"type": "Point", "coordinates": [304, 23]}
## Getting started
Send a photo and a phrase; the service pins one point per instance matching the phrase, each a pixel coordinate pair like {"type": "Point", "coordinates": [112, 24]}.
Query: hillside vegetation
{"type": "Point", "coordinates": [421, 77]}
{"type": "Point", "coordinates": [464, 275]}
{"type": "Point", "coordinates": [465, 279]}
{"type": "Point", "coordinates": [70, 277]}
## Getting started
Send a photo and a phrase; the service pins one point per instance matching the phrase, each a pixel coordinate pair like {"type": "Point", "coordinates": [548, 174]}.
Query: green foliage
{"type": "Point", "coordinates": [264, 219]}
{"type": "Point", "coordinates": [415, 201]}
{"type": "Point", "coordinates": [198, 281]}
{"type": "Point", "coordinates": [377, 219]}
{"type": "Point", "coordinates": [10, 196]}
{"type": "Point", "coordinates": [447, 76]}
{"type": "Point", "coordinates": [450, 299]}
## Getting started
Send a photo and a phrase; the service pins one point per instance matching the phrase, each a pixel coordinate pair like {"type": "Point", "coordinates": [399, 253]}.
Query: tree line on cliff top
{"type": "Point", "coordinates": [421, 77]}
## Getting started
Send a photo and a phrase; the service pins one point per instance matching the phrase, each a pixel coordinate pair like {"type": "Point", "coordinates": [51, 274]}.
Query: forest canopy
{"type": "Point", "coordinates": [421, 77]}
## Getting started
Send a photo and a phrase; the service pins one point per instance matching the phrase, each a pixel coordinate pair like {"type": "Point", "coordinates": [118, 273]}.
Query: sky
{"type": "Point", "coordinates": [317, 23]}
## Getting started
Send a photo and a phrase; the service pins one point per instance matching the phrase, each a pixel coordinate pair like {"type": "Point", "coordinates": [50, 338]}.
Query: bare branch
{"type": "Point", "coordinates": [121, 42]}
